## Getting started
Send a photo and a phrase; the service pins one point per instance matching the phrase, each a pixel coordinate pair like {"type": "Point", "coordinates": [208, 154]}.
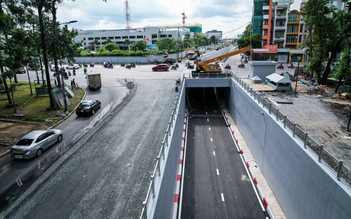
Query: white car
{"type": "Point", "coordinates": [73, 66]}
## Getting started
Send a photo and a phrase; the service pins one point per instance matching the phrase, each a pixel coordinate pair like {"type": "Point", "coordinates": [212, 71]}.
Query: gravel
{"type": "Point", "coordinates": [324, 121]}
{"type": "Point", "coordinates": [108, 176]}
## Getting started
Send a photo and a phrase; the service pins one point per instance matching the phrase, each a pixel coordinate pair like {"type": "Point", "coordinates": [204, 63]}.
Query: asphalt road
{"type": "Point", "coordinates": [109, 174]}
{"type": "Point", "coordinates": [216, 183]}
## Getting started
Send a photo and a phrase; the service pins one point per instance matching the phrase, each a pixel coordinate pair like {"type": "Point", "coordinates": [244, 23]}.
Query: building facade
{"type": "Point", "coordinates": [92, 39]}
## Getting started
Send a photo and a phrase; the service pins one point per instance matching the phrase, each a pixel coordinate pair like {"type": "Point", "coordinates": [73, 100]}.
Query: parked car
{"type": "Point", "coordinates": [73, 66]}
{"type": "Point", "coordinates": [88, 107]}
{"type": "Point", "coordinates": [174, 66]}
{"type": "Point", "coordinates": [92, 64]}
{"type": "Point", "coordinates": [160, 67]}
{"type": "Point", "coordinates": [21, 70]}
{"type": "Point", "coordinates": [35, 142]}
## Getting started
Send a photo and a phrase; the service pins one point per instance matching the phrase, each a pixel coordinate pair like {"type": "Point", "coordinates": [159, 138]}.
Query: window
{"type": "Point", "coordinates": [90, 38]}
{"type": "Point", "coordinates": [124, 37]}
{"type": "Point", "coordinates": [292, 28]}
{"type": "Point", "coordinates": [97, 38]}
{"type": "Point", "coordinates": [140, 37]}
{"type": "Point", "coordinates": [293, 17]}
{"type": "Point", "coordinates": [118, 37]}
{"type": "Point", "coordinates": [103, 38]}
{"type": "Point", "coordinates": [111, 38]}
{"type": "Point", "coordinates": [291, 39]}
{"type": "Point", "coordinates": [131, 37]}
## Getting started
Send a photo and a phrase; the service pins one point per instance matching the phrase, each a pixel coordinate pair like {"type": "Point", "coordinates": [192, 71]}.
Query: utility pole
{"type": "Point", "coordinates": [127, 12]}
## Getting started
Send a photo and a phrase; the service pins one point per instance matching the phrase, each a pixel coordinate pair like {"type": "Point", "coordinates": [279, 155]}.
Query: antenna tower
{"type": "Point", "coordinates": [127, 12]}
{"type": "Point", "coordinates": [184, 17]}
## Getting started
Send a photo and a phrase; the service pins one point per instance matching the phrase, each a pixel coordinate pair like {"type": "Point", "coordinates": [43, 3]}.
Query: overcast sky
{"type": "Point", "coordinates": [229, 16]}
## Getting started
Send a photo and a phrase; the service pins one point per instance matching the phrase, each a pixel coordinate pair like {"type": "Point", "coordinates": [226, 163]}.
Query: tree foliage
{"type": "Point", "coordinates": [254, 40]}
{"type": "Point", "coordinates": [138, 45]}
{"type": "Point", "coordinates": [329, 30]}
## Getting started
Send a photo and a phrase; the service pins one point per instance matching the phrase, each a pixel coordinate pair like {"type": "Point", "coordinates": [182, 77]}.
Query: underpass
{"type": "Point", "coordinates": [216, 181]}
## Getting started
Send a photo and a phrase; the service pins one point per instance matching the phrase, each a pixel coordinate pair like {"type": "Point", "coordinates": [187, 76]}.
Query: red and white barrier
{"type": "Point", "coordinates": [180, 168]}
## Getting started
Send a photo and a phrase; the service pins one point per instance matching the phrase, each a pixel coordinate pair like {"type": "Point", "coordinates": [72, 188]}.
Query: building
{"type": "Point", "coordinates": [92, 39]}
{"type": "Point", "coordinates": [215, 33]}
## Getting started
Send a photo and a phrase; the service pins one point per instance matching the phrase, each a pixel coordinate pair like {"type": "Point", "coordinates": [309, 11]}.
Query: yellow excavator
{"type": "Point", "coordinates": [212, 66]}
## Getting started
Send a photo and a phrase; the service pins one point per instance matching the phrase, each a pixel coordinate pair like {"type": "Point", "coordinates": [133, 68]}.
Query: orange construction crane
{"type": "Point", "coordinates": [212, 66]}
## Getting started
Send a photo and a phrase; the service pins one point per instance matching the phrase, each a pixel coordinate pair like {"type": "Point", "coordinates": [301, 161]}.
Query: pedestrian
{"type": "Point", "coordinates": [73, 84]}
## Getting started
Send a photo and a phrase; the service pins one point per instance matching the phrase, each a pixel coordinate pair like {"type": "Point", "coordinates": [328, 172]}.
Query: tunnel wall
{"type": "Point", "coordinates": [165, 200]}
{"type": "Point", "coordinates": [304, 187]}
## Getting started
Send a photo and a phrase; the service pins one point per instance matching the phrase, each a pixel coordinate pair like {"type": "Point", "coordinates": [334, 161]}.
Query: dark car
{"type": "Point", "coordinates": [88, 107]}
{"type": "Point", "coordinates": [160, 67]}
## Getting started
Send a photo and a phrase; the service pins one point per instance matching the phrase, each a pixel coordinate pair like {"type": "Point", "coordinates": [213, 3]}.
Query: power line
{"type": "Point", "coordinates": [238, 28]}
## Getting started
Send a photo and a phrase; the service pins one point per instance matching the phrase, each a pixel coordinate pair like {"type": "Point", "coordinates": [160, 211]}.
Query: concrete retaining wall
{"type": "Point", "coordinates": [165, 201]}
{"type": "Point", "coordinates": [304, 187]}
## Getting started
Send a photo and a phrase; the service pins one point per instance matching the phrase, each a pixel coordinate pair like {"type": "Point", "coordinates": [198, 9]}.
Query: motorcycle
{"type": "Point", "coordinates": [108, 65]}
{"type": "Point", "coordinates": [291, 66]}
{"type": "Point", "coordinates": [280, 66]}
{"type": "Point", "coordinates": [241, 66]}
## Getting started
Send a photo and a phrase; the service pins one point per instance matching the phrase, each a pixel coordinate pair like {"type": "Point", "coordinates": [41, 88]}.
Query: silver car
{"type": "Point", "coordinates": [35, 142]}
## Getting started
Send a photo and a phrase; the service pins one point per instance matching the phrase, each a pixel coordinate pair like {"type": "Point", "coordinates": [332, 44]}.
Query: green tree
{"type": "Point", "coordinates": [213, 39]}
{"type": "Point", "coordinates": [328, 29]}
{"type": "Point", "coordinates": [93, 45]}
{"type": "Point", "coordinates": [255, 41]}
{"type": "Point", "coordinates": [138, 45]}
{"type": "Point", "coordinates": [166, 44]}
{"type": "Point", "coordinates": [343, 69]}
{"type": "Point", "coordinates": [111, 46]}
{"type": "Point", "coordinates": [188, 42]}
{"type": "Point", "coordinates": [127, 42]}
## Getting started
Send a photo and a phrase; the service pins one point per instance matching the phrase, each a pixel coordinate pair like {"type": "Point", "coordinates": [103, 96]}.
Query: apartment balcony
{"type": "Point", "coordinates": [279, 39]}
{"type": "Point", "coordinates": [265, 8]}
{"type": "Point", "coordinates": [280, 28]}
{"type": "Point", "coordinates": [266, 16]}
{"type": "Point", "coordinates": [281, 17]}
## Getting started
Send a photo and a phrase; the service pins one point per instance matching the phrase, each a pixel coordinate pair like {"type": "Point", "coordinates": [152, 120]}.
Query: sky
{"type": "Point", "coordinates": [229, 16]}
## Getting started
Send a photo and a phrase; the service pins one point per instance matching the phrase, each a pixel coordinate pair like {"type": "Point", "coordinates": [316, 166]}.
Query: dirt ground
{"type": "Point", "coordinates": [321, 113]}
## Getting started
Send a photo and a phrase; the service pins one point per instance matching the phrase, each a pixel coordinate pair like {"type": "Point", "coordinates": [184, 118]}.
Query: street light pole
{"type": "Point", "coordinates": [59, 56]}
{"type": "Point", "coordinates": [297, 75]}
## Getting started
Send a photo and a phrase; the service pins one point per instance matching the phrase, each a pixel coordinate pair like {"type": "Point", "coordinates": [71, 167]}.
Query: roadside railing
{"type": "Point", "coordinates": [323, 155]}
{"type": "Point", "coordinates": [156, 178]}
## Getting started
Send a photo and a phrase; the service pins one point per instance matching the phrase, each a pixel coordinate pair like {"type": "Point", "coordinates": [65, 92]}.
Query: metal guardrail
{"type": "Point", "coordinates": [156, 177]}
{"type": "Point", "coordinates": [342, 172]}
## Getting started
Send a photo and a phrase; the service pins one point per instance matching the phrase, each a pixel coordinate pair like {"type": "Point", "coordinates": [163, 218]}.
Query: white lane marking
{"type": "Point", "coordinates": [217, 172]}
{"type": "Point", "coordinates": [208, 120]}
{"type": "Point", "coordinates": [214, 153]}
{"type": "Point", "coordinates": [211, 139]}
{"type": "Point", "coordinates": [222, 197]}
{"type": "Point", "coordinates": [206, 113]}
{"type": "Point", "coordinates": [209, 129]}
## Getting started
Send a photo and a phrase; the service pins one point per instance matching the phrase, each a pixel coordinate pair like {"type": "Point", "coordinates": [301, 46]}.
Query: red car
{"type": "Point", "coordinates": [160, 67]}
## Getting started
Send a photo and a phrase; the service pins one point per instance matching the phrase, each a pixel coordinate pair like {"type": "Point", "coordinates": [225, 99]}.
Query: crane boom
{"type": "Point", "coordinates": [208, 66]}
